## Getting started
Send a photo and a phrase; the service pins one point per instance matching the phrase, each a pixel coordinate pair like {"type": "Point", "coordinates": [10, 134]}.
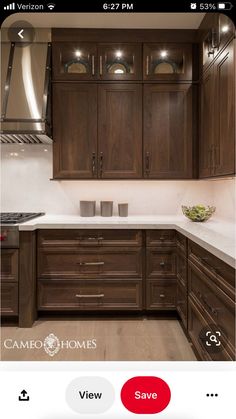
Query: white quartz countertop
{"type": "Point", "coordinates": [216, 236]}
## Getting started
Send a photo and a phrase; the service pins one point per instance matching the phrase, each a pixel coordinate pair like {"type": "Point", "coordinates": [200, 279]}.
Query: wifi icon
{"type": "Point", "coordinates": [51, 6]}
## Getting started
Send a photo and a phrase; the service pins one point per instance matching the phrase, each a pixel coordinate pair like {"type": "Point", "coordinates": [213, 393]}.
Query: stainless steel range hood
{"type": "Point", "coordinates": [26, 99]}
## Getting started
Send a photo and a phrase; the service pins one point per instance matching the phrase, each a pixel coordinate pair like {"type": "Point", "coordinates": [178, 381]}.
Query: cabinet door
{"type": "Point", "coordinates": [224, 151]}
{"type": "Point", "coordinates": [120, 131]}
{"type": "Point", "coordinates": [75, 131]}
{"type": "Point", "coordinates": [207, 119]}
{"type": "Point", "coordinates": [168, 131]}
{"type": "Point", "coordinates": [74, 61]}
{"type": "Point", "coordinates": [120, 61]}
{"type": "Point", "coordinates": [167, 62]}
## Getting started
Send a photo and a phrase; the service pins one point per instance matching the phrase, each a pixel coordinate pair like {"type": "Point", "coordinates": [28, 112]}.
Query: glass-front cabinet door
{"type": "Point", "coordinates": [167, 62]}
{"type": "Point", "coordinates": [120, 61]}
{"type": "Point", "coordinates": [74, 61]}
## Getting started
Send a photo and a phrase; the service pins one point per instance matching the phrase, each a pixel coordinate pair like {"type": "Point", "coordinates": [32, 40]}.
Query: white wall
{"type": "Point", "coordinates": [26, 187]}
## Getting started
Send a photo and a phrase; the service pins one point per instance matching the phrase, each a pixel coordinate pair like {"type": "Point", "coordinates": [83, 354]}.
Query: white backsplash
{"type": "Point", "coordinates": [25, 186]}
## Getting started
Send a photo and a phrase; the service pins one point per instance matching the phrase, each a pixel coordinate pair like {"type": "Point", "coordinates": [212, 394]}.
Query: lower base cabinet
{"type": "Point", "coordinates": [181, 303]}
{"type": "Point", "coordinates": [161, 295]}
{"type": "Point", "coordinates": [9, 299]}
{"type": "Point", "coordinates": [89, 295]}
{"type": "Point", "coordinates": [9, 282]}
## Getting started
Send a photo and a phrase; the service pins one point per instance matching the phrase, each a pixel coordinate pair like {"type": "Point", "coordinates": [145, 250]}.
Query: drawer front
{"type": "Point", "coordinates": [80, 295]}
{"type": "Point", "coordinates": [9, 265]}
{"type": "Point", "coordinates": [181, 303]}
{"type": "Point", "coordinates": [161, 295]}
{"type": "Point", "coordinates": [221, 273]}
{"type": "Point", "coordinates": [181, 242]}
{"type": "Point", "coordinates": [76, 238]}
{"type": "Point", "coordinates": [196, 322]}
{"type": "Point", "coordinates": [9, 299]}
{"type": "Point", "coordinates": [161, 263]}
{"type": "Point", "coordinates": [93, 263]}
{"type": "Point", "coordinates": [218, 306]}
{"type": "Point", "coordinates": [160, 238]}
{"type": "Point", "coordinates": [181, 267]}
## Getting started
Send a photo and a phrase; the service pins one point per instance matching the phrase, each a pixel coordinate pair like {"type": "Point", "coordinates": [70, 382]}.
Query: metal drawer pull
{"type": "Point", "coordinates": [147, 65]}
{"type": "Point", "coordinates": [162, 263]}
{"type": "Point", "coordinates": [100, 65]}
{"type": "Point", "coordinates": [93, 67]}
{"type": "Point", "coordinates": [90, 263]}
{"type": "Point", "coordinates": [162, 295]}
{"type": "Point", "coordinates": [147, 163]}
{"type": "Point", "coordinates": [90, 295]}
{"type": "Point", "coordinates": [93, 163]}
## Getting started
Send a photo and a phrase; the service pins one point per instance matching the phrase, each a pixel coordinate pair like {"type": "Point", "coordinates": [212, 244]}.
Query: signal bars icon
{"type": "Point", "coordinates": [11, 6]}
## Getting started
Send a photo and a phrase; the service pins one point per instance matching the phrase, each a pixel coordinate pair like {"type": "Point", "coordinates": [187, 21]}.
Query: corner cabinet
{"type": "Point", "coordinates": [217, 139]}
{"type": "Point", "coordinates": [167, 131]}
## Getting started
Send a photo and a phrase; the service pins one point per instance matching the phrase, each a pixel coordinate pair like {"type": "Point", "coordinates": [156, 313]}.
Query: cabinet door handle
{"type": "Point", "coordinates": [147, 163]}
{"type": "Point", "coordinates": [147, 65]}
{"type": "Point", "coordinates": [93, 66]}
{"type": "Point", "coordinates": [89, 295]}
{"type": "Point", "coordinates": [90, 263]}
{"type": "Point", "coordinates": [100, 65]}
{"type": "Point", "coordinates": [93, 164]}
{"type": "Point", "coordinates": [101, 163]}
{"type": "Point", "coordinates": [162, 263]}
{"type": "Point", "coordinates": [162, 295]}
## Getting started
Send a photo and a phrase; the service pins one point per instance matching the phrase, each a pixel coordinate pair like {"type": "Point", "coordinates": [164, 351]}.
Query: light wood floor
{"type": "Point", "coordinates": [117, 340]}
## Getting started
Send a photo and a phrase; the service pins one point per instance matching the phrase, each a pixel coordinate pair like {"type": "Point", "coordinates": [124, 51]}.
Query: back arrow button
{"type": "Point", "coordinates": [20, 33]}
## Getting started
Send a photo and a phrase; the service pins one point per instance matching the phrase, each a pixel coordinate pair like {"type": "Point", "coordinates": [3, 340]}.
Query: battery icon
{"type": "Point", "coordinates": [224, 6]}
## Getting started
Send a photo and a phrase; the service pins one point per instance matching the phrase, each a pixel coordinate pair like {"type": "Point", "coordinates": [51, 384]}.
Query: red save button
{"type": "Point", "coordinates": [145, 395]}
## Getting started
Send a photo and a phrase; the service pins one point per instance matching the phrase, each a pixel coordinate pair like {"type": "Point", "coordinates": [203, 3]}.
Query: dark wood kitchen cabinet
{"type": "Point", "coordinates": [97, 137]}
{"type": "Point", "coordinates": [160, 270]}
{"type": "Point", "coordinates": [81, 61]}
{"type": "Point", "coordinates": [182, 278]}
{"type": "Point", "coordinates": [211, 301]}
{"type": "Point", "coordinates": [166, 62]}
{"type": "Point", "coordinates": [9, 282]}
{"type": "Point", "coordinates": [167, 130]}
{"type": "Point", "coordinates": [120, 131]}
{"type": "Point", "coordinates": [74, 131]}
{"type": "Point", "coordinates": [217, 117]}
{"type": "Point", "coordinates": [90, 270]}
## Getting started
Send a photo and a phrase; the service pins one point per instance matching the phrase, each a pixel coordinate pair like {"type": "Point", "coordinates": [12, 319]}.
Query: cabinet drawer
{"type": "Point", "coordinates": [161, 295]}
{"type": "Point", "coordinates": [181, 303]}
{"type": "Point", "coordinates": [181, 267]}
{"type": "Point", "coordinates": [160, 238]}
{"type": "Point", "coordinates": [181, 242]}
{"type": "Point", "coordinates": [76, 238]}
{"type": "Point", "coordinates": [80, 295]}
{"type": "Point", "coordinates": [161, 263]}
{"type": "Point", "coordinates": [221, 273]}
{"type": "Point", "coordinates": [9, 265]}
{"type": "Point", "coordinates": [90, 263]}
{"type": "Point", "coordinates": [9, 299]}
{"type": "Point", "coordinates": [214, 302]}
{"type": "Point", "coordinates": [196, 322]}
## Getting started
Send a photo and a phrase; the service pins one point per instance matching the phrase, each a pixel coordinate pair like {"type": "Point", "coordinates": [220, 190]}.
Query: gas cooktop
{"type": "Point", "coordinates": [18, 217]}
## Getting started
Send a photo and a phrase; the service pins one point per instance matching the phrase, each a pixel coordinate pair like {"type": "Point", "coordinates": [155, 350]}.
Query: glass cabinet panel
{"type": "Point", "coordinates": [74, 61]}
{"type": "Point", "coordinates": [167, 62]}
{"type": "Point", "coordinates": [120, 62]}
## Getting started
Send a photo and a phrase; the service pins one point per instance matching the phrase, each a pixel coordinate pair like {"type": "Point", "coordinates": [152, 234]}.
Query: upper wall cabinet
{"type": "Point", "coordinates": [87, 61]}
{"type": "Point", "coordinates": [167, 130]}
{"type": "Point", "coordinates": [217, 30]}
{"type": "Point", "coordinates": [74, 61]}
{"type": "Point", "coordinates": [167, 62]}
